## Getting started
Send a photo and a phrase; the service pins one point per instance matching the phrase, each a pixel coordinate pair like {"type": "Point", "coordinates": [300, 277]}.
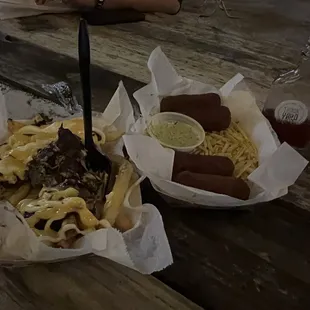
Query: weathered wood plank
{"type": "Point", "coordinates": [267, 37]}
{"type": "Point", "coordinates": [85, 283]}
{"type": "Point", "coordinates": [28, 67]}
{"type": "Point", "coordinates": [238, 255]}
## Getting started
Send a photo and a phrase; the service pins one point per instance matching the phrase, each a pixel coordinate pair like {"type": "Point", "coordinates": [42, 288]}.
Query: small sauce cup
{"type": "Point", "coordinates": [188, 126]}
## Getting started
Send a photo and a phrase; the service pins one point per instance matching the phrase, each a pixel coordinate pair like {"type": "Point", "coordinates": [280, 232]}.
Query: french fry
{"type": "Point", "coordinates": [234, 144]}
{"type": "Point", "coordinates": [14, 126]}
{"type": "Point", "coordinates": [20, 194]}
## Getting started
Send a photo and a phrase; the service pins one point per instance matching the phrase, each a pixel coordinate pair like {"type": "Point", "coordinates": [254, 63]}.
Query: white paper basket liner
{"type": "Point", "coordinates": [270, 180]}
{"type": "Point", "coordinates": [144, 248]}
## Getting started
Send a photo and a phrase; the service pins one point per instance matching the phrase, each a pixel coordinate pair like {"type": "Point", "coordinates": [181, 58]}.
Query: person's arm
{"type": "Point", "coordinates": [165, 6]}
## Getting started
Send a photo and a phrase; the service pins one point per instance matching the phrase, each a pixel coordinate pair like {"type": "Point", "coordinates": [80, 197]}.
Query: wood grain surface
{"type": "Point", "coordinates": [252, 259]}
{"type": "Point", "coordinates": [267, 38]}
{"type": "Point", "coordinates": [86, 283]}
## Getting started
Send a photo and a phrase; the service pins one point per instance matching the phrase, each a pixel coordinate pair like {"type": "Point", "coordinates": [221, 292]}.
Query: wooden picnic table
{"type": "Point", "coordinates": [252, 259]}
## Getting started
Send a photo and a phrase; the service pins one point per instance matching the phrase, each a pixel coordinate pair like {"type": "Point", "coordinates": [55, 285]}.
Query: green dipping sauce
{"type": "Point", "coordinates": [175, 133]}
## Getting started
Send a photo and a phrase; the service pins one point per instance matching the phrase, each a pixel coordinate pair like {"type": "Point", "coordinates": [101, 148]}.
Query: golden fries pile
{"type": "Point", "coordinates": [235, 144]}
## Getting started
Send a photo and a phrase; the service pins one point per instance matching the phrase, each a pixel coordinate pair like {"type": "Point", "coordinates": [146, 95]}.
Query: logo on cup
{"type": "Point", "coordinates": [291, 111]}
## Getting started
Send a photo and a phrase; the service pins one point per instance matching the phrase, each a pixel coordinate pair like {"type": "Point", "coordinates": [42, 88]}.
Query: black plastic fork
{"type": "Point", "coordinates": [95, 159]}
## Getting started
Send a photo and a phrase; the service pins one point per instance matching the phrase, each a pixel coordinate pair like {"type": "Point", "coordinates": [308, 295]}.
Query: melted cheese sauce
{"type": "Point", "coordinates": [23, 145]}
{"type": "Point", "coordinates": [52, 205]}
{"type": "Point", "coordinates": [51, 211]}
{"type": "Point", "coordinates": [10, 169]}
{"type": "Point", "coordinates": [26, 152]}
{"type": "Point", "coordinates": [55, 194]}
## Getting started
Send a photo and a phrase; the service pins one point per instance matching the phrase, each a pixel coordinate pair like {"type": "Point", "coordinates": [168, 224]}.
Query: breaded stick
{"type": "Point", "coordinates": [218, 165]}
{"type": "Point", "coordinates": [229, 186]}
{"type": "Point", "coordinates": [206, 109]}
